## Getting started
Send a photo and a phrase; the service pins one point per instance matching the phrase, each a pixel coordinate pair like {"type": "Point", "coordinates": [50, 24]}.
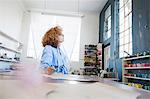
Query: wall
{"type": "Point", "coordinates": [89, 35]}
{"type": "Point", "coordinates": [141, 26]}
{"type": "Point", "coordinates": [10, 17]}
{"type": "Point", "coordinates": [24, 36]}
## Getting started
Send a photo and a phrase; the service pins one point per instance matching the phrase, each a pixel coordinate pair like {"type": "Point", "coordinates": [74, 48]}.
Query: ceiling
{"type": "Point", "coordinates": [66, 5]}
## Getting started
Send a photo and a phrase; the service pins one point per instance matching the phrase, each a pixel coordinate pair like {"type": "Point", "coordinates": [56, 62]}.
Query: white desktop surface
{"type": "Point", "coordinates": [16, 89]}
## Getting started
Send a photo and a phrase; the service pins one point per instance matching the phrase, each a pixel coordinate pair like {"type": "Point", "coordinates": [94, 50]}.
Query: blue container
{"type": "Point", "coordinates": [149, 76]}
{"type": "Point", "coordinates": [146, 87]}
{"type": "Point", "coordinates": [138, 74]}
{"type": "Point", "coordinates": [143, 75]}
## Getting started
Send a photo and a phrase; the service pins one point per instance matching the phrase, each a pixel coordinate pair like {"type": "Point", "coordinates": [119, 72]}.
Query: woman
{"type": "Point", "coordinates": [53, 59]}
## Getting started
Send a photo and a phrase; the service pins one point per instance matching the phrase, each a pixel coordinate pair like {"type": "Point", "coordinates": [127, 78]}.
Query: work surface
{"type": "Point", "coordinates": [68, 87]}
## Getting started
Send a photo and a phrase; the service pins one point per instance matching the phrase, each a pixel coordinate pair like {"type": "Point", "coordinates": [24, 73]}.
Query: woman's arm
{"type": "Point", "coordinates": [47, 56]}
{"type": "Point", "coordinates": [46, 60]}
{"type": "Point", "coordinates": [65, 63]}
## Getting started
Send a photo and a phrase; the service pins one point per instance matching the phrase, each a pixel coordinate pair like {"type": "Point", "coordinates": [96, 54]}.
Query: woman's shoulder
{"type": "Point", "coordinates": [48, 47]}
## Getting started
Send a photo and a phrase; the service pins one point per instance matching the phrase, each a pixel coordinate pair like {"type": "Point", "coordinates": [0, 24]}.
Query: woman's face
{"type": "Point", "coordinates": [60, 38]}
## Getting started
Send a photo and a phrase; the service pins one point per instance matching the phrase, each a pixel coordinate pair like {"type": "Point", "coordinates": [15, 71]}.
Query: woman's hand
{"type": "Point", "coordinates": [50, 70]}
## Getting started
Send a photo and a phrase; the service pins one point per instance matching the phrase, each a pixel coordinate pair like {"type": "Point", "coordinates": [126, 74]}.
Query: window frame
{"type": "Point", "coordinates": [106, 30]}
{"type": "Point", "coordinates": [126, 32]}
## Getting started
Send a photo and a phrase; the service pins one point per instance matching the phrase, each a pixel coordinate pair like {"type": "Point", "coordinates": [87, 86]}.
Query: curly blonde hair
{"type": "Point", "coordinates": [51, 36]}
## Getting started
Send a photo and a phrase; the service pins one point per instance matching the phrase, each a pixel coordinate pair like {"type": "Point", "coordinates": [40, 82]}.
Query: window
{"type": "Point", "coordinates": [106, 57]}
{"type": "Point", "coordinates": [125, 27]}
{"type": "Point", "coordinates": [107, 24]}
{"type": "Point", "coordinates": [41, 23]}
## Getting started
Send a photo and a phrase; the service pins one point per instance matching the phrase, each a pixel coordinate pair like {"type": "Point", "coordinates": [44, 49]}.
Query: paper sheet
{"type": "Point", "coordinates": [72, 78]}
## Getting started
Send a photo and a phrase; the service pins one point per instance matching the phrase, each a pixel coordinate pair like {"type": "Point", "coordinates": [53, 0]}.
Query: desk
{"type": "Point", "coordinates": [54, 88]}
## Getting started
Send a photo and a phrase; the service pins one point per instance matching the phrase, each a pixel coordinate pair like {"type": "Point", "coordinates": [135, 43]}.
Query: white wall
{"type": "Point", "coordinates": [10, 18]}
{"type": "Point", "coordinates": [89, 35]}
{"type": "Point", "coordinates": [24, 36]}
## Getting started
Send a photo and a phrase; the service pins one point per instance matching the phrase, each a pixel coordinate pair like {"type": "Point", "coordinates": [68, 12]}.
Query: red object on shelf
{"type": "Point", "coordinates": [139, 65]}
{"type": "Point", "coordinates": [130, 75]}
{"type": "Point", "coordinates": [125, 74]}
{"type": "Point", "coordinates": [99, 52]}
{"type": "Point", "coordinates": [134, 65]}
{"type": "Point", "coordinates": [130, 65]}
{"type": "Point", "coordinates": [146, 64]}
{"type": "Point", "coordinates": [125, 65]}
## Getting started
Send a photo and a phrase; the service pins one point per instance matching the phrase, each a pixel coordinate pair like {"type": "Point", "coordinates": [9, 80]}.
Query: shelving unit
{"type": "Point", "coordinates": [11, 55]}
{"type": "Point", "coordinates": [10, 52]}
{"type": "Point", "coordinates": [135, 70]}
{"type": "Point", "coordinates": [92, 59]}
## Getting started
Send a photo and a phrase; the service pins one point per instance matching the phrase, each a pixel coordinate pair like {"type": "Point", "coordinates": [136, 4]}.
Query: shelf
{"type": "Point", "coordinates": [5, 71]}
{"type": "Point", "coordinates": [9, 49]}
{"type": "Point", "coordinates": [87, 67]}
{"type": "Point", "coordinates": [7, 36]}
{"type": "Point", "coordinates": [148, 79]}
{"type": "Point", "coordinates": [134, 58]}
{"type": "Point", "coordinates": [7, 60]}
{"type": "Point", "coordinates": [137, 67]}
{"type": "Point", "coordinates": [90, 55]}
{"type": "Point", "coordinates": [9, 73]}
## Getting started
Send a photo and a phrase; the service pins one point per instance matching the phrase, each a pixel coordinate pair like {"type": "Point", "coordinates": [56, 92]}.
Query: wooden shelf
{"type": "Point", "coordinates": [129, 77]}
{"type": "Point", "coordinates": [7, 60]}
{"type": "Point", "coordinates": [137, 67]}
{"type": "Point", "coordinates": [134, 58]}
{"type": "Point", "coordinates": [9, 49]}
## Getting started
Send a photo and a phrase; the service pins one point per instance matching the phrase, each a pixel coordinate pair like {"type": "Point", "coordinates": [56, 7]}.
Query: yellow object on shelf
{"type": "Point", "coordinates": [135, 85]}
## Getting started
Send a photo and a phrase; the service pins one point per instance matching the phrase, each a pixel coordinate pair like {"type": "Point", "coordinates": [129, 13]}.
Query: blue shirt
{"type": "Point", "coordinates": [54, 57]}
